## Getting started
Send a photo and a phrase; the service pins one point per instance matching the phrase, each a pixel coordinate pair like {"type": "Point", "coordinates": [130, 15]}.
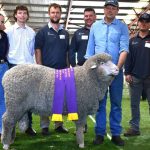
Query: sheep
{"type": "Point", "coordinates": [31, 87]}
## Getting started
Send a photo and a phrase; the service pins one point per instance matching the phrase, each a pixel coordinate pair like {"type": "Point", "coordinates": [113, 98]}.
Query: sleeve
{"type": "Point", "coordinates": [129, 61]}
{"type": "Point", "coordinates": [91, 44]}
{"type": "Point", "coordinates": [124, 40]}
{"type": "Point", "coordinates": [7, 46]}
{"type": "Point", "coordinates": [32, 44]}
{"type": "Point", "coordinates": [72, 51]}
{"type": "Point", "coordinates": [39, 40]}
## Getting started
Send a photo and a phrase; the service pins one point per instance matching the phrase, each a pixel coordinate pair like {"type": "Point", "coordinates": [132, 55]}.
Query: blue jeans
{"type": "Point", "coordinates": [115, 116]}
{"type": "Point", "coordinates": [3, 69]}
{"type": "Point", "coordinates": [135, 89]}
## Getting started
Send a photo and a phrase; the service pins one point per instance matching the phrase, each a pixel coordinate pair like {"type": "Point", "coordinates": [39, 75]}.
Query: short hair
{"type": "Point", "coordinates": [89, 9]}
{"type": "Point", "coordinates": [20, 7]}
{"type": "Point", "coordinates": [55, 6]}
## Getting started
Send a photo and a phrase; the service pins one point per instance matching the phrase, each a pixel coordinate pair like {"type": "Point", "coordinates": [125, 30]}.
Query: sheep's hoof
{"type": "Point", "coordinates": [81, 145]}
{"type": "Point", "coordinates": [6, 147]}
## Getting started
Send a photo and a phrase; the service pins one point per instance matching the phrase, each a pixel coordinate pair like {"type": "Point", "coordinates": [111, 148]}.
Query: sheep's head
{"type": "Point", "coordinates": [103, 66]}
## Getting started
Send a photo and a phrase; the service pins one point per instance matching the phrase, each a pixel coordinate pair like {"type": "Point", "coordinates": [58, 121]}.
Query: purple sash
{"type": "Point", "coordinates": [64, 82]}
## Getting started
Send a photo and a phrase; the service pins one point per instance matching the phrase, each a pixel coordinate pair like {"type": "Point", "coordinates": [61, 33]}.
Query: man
{"type": "Point", "coordinates": [3, 66]}
{"type": "Point", "coordinates": [110, 36]}
{"type": "Point", "coordinates": [21, 46]}
{"type": "Point", "coordinates": [80, 39]}
{"type": "Point", "coordinates": [51, 48]}
{"type": "Point", "coordinates": [137, 72]}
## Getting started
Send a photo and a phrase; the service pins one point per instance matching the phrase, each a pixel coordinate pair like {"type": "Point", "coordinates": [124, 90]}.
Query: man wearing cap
{"type": "Point", "coordinates": [111, 36]}
{"type": "Point", "coordinates": [137, 72]}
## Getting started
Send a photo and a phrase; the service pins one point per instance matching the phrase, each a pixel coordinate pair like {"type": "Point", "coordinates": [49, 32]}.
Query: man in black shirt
{"type": "Point", "coordinates": [80, 39]}
{"type": "Point", "coordinates": [137, 71]}
{"type": "Point", "coordinates": [3, 65]}
{"type": "Point", "coordinates": [51, 48]}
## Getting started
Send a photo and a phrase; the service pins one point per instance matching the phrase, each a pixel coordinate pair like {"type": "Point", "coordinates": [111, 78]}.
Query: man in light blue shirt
{"type": "Point", "coordinates": [110, 36]}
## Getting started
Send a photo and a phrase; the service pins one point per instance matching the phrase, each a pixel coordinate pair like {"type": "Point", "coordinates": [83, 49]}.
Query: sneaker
{"type": "Point", "coordinates": [61, 129]}
{"type": "Point", "coordinates": [30, 132]}
{"type": "Point", "coordinates": [117, 140]}
{"type": "Point", "coordinates": [98, 140]}
{"type": "Point", "coordinates": [45, 132]}
{"type": "Point", "coordinates": [131, 132]}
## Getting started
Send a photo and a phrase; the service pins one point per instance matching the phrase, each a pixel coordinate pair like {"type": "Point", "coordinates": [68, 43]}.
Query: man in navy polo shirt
{"type": "Point", "coordinates": [51, 48]}
{"type": "Point", "coordinates": [137, 72]}
{"type": "Point", "coordinates": [80, 38]}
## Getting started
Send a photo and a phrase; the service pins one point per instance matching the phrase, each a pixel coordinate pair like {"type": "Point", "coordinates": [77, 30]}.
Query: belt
{"type": "Point", "coordinates": [2, 61]}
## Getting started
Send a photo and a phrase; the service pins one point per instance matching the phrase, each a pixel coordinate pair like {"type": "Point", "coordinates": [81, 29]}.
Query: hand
{"type": "Point", "coordinates": [128, 78]}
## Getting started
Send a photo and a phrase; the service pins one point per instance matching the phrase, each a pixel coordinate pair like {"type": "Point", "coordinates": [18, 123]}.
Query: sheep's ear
{"type": "Point", "coordinates": [93, 66]}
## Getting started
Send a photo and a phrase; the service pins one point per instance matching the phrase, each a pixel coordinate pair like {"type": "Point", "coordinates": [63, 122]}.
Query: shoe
{"type": "Point", "coordinates": [45, 132]}
{"type": "Point", "coordinates": [98, 140]}
{"type": "Point", "coordinates": [117, 140]}
{"type": "Point", "coordinates": [30, 132]}
{"type": "Point", "coordinates": [130, 132]}
{"type": "Point", "coordinates": [61, 129]}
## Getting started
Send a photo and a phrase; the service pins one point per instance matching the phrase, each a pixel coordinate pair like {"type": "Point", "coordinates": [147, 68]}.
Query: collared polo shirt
{"type": "Point", "coordinates": [54, 46]}
{"type": "Point", "coordinates": [110, 38]}
{"type": "Point", "coordinates": [78, 45]}
{"type": "Point", "coordinates": [138, 59]}
{"type": "Point", "coordinates": [21, 44]}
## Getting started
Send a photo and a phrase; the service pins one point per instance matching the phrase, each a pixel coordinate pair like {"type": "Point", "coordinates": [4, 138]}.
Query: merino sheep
{"type": "Point", "coordinates": [31, 87]}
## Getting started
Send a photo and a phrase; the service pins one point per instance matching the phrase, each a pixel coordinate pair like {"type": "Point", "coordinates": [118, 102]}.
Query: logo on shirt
{"type": "Point", "coordinates": [48, 33]}
{"type": "Point", "coordinates": [80, 33]}
{"type": "Point", "coordinates": [134, 42]}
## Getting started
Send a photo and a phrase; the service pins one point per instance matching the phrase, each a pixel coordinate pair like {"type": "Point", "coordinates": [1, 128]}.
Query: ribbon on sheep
{"type": "Point", "coordinates": [64, 82]}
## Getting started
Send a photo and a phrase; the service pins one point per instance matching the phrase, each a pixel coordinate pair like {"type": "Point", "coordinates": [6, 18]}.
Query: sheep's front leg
{"type": "Point", "coordinates": [80, 136]}
{"type": "Point", "coordinates": [7, 130]}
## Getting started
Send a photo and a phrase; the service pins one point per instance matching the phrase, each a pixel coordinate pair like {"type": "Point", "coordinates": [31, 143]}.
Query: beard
{"type": "Point", "coordinates": [55, 21]}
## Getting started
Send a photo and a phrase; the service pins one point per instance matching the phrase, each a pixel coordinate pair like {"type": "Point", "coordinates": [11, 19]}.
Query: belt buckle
{"type": "Point", "coordinates": [2, 61]}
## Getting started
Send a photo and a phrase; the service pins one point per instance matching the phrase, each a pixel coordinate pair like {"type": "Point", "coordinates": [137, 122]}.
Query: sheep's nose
{"type": "Point", "coordinates": [115, 71]}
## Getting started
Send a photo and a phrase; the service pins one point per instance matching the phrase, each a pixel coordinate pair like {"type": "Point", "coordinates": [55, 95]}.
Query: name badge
{"type": "Point", "coordinates": [147, 44]}
{"type": "Point", "coordinates": [62, 36]}
{"type": "Point", "coordinates": [84, 37]}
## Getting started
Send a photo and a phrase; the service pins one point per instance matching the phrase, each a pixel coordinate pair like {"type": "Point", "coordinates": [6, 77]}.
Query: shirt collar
{"type": "Point", "coordinates": [17, 26]}
{"type": "Point", "coordinates": [50, 26]}
{"type": "Point", "coordinates": [113, 22]}
{"type": "Point", "coordinates": [145, 36]}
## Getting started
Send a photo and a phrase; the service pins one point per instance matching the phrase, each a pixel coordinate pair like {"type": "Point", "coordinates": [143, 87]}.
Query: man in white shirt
{"type": "Point", "coordinates": [21, 46]}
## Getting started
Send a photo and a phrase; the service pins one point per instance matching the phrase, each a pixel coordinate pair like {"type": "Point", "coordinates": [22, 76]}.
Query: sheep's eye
{"type": "Point", "coordinates": [99, 61]}
{"type": "Point", "coordinates": [102, 63]}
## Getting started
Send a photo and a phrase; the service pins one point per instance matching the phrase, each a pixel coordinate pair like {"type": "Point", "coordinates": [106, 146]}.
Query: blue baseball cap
{"type": "Point", "coordinates": [145, 17]}
{"type": "Point", "coordinates": [112, 2]}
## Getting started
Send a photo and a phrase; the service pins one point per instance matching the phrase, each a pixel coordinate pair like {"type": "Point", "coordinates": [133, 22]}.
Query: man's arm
{"type": "Point", "coordinates": [38, 56]}
{"type": "Point", "coordinates": [122, 59]}
{"type": "Point", "coordinates": [72, 51]}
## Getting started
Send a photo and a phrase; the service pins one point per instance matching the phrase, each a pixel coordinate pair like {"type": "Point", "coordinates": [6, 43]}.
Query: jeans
{"type": "Point", "coordinates": [115, 116]}
{"type": "Point", "coordinates": [135, 89]}
{"type": "Point", "coordinates": [3, 69]}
